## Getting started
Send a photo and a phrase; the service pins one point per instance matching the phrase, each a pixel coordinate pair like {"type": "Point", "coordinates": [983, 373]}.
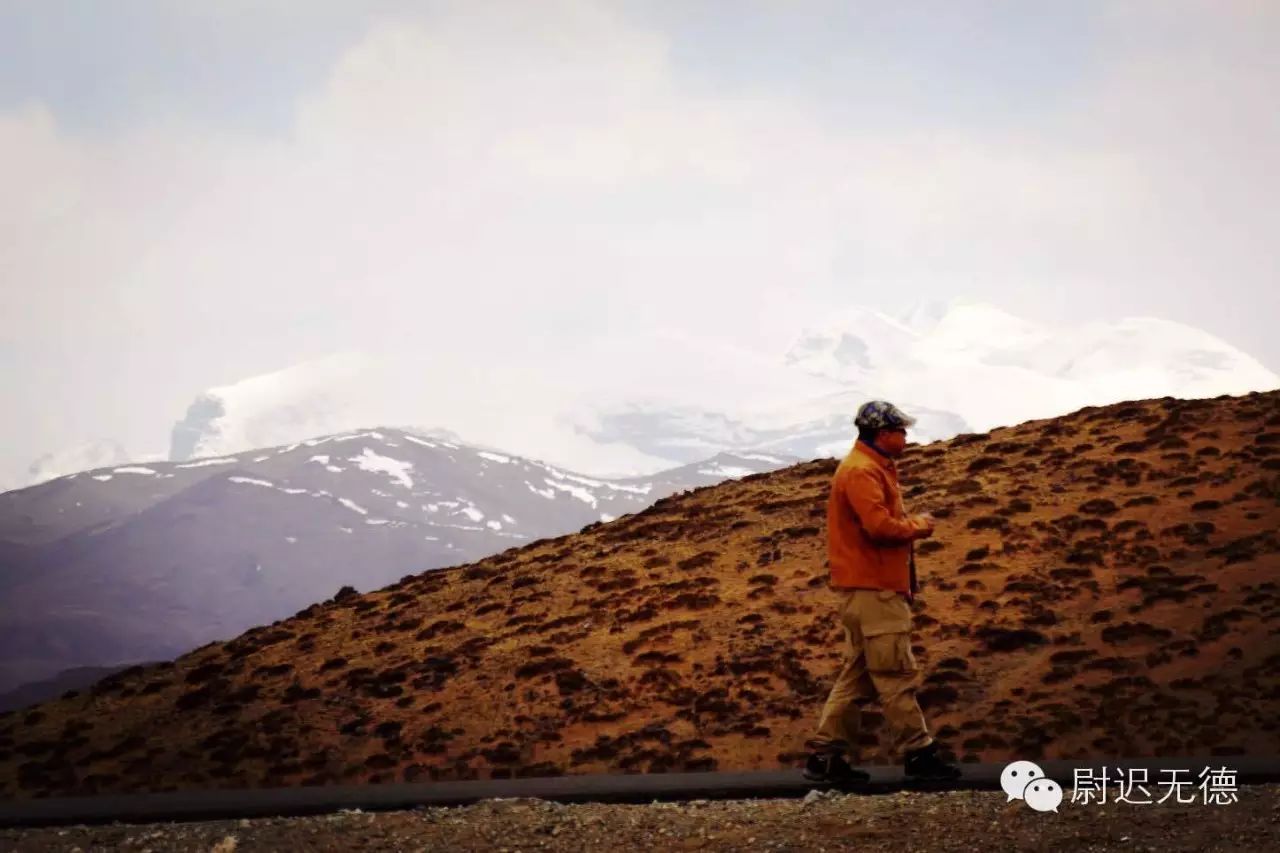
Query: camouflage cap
{"type": "Point", "coordinates": [878, 414]}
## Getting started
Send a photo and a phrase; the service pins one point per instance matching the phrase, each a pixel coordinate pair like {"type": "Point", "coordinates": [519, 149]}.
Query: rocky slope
{"type": "Point", "coordinates": [1102, 583]}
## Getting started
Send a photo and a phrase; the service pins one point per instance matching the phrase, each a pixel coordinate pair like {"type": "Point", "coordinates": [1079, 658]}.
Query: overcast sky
{"type": "Point", "coordinates": [497, 194]}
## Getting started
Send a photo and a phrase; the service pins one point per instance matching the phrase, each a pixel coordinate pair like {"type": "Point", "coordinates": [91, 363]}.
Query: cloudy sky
{"type": "Point", "coordinates": [508, 198]}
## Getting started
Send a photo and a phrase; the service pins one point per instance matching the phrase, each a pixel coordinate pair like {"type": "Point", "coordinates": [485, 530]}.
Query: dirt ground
{"type": "Point", "coordinates": [962, 820]}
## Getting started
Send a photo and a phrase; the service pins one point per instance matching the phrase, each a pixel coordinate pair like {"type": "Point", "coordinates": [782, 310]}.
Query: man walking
{"type": "Point", "coordinates": [869, 541]}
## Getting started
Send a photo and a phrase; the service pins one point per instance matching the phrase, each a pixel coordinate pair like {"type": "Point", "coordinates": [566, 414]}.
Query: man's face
{"type": "Point", "coordinates": [893, 441]}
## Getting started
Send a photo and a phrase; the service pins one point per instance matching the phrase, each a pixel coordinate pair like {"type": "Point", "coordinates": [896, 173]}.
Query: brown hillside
{"type": "Point", "coordinates": [1102, 583]}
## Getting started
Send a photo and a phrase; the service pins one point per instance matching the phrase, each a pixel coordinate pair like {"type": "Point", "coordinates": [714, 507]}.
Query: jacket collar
{"type": "Point", "coordinates": [874, 453]}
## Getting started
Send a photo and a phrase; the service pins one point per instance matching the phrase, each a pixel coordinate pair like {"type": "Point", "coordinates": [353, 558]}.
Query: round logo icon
{"type": "Point", "coordinates": [1043, 795]}
{"type": "Point", "coordinates": [1014, 777]}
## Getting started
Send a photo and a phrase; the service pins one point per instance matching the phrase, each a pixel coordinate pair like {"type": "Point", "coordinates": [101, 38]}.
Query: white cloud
{"type": "Point", "coordinates": [490, 195]}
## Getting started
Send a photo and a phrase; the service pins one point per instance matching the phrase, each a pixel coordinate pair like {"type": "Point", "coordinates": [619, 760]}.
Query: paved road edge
{"type": "Point", "coordinates": [627, 788]}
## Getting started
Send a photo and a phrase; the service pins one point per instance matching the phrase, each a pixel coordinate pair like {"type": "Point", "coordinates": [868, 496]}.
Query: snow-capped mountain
{"type": "Point", "coordinates": [853, 347]}
{"type": "Point", "coordinates": [959, 366]}
{"type": "Point", "coordinates": [140, 562]}
{"type": "Point", "coordinates": [807, 430]}
{"type": "Point", "coordinates": [981, 345]}
{"type": "Point", "coordinates": [346, 391]}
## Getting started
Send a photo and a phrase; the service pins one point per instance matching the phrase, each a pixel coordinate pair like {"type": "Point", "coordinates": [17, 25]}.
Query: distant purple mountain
{"type": "Point", "coordinates": [148, 561]}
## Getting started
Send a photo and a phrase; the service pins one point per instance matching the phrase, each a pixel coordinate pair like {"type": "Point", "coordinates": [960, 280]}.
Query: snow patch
{"type": "Point", "coordinates": [726, 471]}
{"type": "Point", "coordinates": [577, 491]}
{"type": "Point", "coordinates": [394, 468]}
{"type": "Point", "coordinates": [353, 506]}
{"type": "Point", "coordinates": [253, 481]}
{"type": "Point", "coordinates": [549, 494]}
{"type": "Point", "coordinates": [204, 462]}
{"type": "Point", "coordinates": [638, 490]}
{"type": "Point", "coordinates": [132, 469]}
{"type": "Point", "coordinates": [496, 457]}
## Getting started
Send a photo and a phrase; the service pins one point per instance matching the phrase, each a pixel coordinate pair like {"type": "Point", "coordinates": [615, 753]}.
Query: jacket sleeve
{"type": "Point", "coordinates": [866, 495]}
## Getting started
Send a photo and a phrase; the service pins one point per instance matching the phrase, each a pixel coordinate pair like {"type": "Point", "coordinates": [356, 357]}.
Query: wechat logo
{"type": "Point", "coordinates": [1024, 780]}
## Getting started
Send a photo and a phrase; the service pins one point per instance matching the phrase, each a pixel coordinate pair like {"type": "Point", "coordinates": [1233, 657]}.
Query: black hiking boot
{"type": "Point", "coordinates": [831, 768]}
{"type": "Point", "coordinates": [924, 764]}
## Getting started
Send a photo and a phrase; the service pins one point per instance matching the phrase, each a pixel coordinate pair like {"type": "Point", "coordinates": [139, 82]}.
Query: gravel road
{"type": "Point", "coordinates": [961, 820]}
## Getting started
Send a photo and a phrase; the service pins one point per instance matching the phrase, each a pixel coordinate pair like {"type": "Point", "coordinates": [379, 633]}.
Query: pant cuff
{"type": "Point", "coordinates": [915, 745]}
{"type": "Point", "coordinates": [826, 746]}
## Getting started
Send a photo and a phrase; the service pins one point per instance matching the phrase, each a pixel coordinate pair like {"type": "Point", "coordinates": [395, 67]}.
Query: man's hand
{"type": "Point", "coordinates": [925, 522]}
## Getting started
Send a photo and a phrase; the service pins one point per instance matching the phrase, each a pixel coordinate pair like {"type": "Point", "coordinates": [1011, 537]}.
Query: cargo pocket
{"type": "Point", "coordinates": [883, 612]}
{"type": "Point", "coordinates": [890, 653]}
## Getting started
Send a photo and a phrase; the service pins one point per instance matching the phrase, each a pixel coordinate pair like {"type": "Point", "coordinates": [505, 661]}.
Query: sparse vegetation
{"type": "Point", "coordinates": [707, 616]}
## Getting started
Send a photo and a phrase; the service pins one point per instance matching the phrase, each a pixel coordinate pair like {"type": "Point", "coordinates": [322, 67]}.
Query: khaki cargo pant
{"type": "Point", "coordinates": [877, 628]}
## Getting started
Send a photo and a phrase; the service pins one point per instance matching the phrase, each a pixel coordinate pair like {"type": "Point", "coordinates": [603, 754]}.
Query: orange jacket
{"type": "Point", "coordinates": [869, 540]}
